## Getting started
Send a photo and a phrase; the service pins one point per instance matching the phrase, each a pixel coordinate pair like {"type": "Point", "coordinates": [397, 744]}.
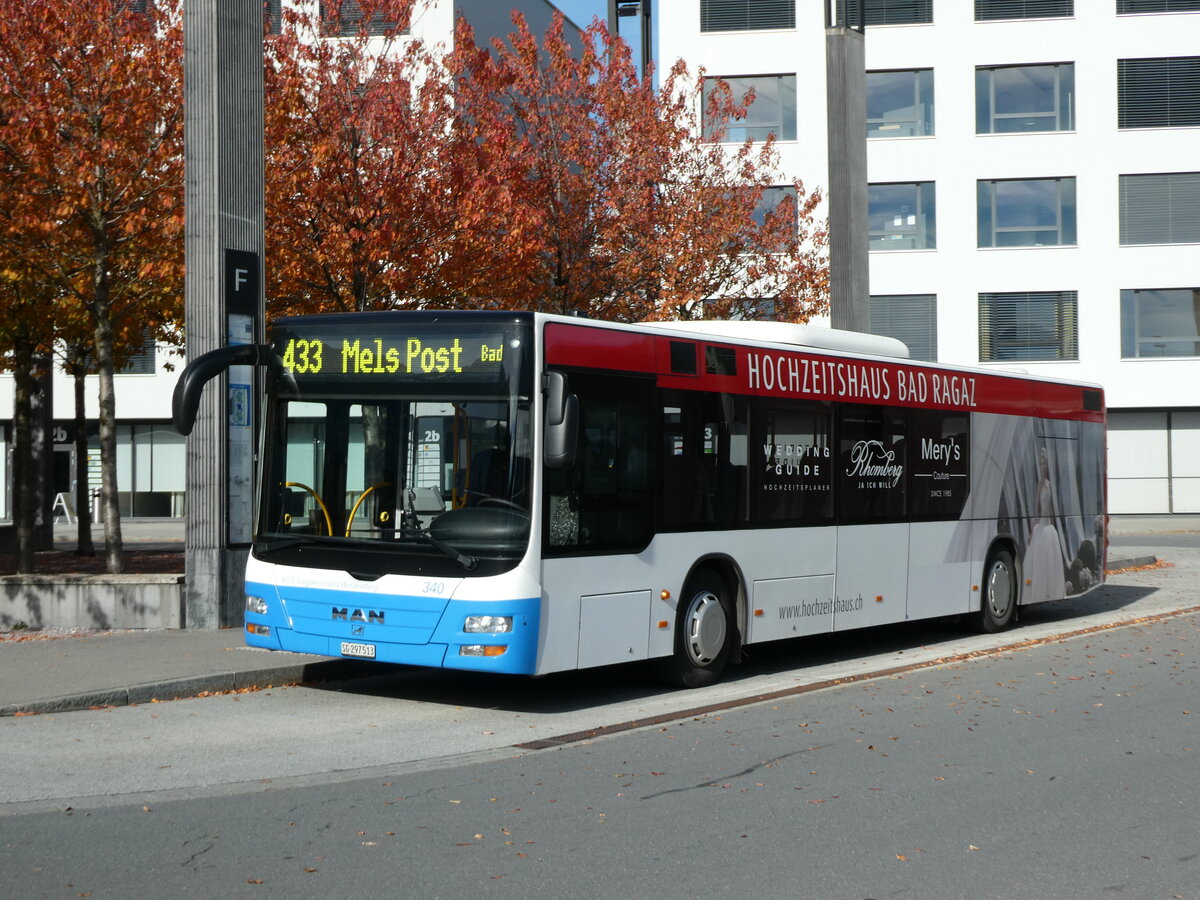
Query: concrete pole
{"type": "Point", "coordinates": [223, 93]}
{"type": "Point", "coordinates": [846, 86]}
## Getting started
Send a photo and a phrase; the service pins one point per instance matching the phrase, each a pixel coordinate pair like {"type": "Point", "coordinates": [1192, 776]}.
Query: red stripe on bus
{"type": "Point", "coordinates": [599, 348]}
{"type": "Point", "coordinates": [771, 372]}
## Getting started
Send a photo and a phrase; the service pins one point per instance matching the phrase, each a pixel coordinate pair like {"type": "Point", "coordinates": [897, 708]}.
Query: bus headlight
{"type": "Point", "coordinates": [487, 624]}
{"type": "Point", "coordinates": [256, 605]}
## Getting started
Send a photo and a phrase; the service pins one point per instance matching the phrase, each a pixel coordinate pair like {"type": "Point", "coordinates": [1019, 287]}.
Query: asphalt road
{"type": "Point", "coordinates": [1060, 767]}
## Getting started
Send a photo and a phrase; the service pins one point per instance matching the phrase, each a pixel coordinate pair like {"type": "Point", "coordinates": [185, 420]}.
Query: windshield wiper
{"type": "Point", "coordinates": [410, 524]}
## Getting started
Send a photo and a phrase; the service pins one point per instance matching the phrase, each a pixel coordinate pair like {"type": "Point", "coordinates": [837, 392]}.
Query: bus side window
{"type": "Point", "coordinates": [603, 502]}
{"type": "Point", "coordinates": [871, 463]}
{"type": "Point", "coordinates": [703, 459]}
{"type": "Point", "coordinates": [939, 463]}
{"type": "Point", "coordinates": [792, 455]}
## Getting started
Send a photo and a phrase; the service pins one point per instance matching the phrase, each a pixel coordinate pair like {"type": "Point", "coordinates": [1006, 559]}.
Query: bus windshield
{"type": "Point", "coordinates": [407, 475]}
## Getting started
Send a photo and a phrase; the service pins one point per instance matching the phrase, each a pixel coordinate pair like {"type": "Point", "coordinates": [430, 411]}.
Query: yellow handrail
{"type": "Point", "coordinates": [320, 503]}
{"type": "Point", "coordinates": [358, 503]}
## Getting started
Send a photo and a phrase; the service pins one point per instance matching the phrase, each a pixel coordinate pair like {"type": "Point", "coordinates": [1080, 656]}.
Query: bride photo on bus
{"type": "Point", "coordinates": [1045, 561]}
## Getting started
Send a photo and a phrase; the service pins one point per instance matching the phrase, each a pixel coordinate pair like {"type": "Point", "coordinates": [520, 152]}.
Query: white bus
{"type": "Point", "coordinates": [527, 493]}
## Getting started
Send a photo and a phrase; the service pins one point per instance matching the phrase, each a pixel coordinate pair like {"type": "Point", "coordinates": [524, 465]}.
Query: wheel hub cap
{"type": "Point", "coordinates": [1000, 591]}
{"type": "Point", "coordinates": [705, 628]}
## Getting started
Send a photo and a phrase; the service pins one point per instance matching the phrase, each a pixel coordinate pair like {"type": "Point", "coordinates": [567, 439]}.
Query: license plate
{"type": "Point", "coordinates": [362, 651]}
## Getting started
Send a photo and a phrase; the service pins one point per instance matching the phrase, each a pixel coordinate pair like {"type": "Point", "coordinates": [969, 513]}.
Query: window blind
{"type": "Point", "coordinates": [345, 19]}
{"type": "Point", "coordinates": [1028, 325]}
{"type": "Point", "coordinates": [141, 361]}
{"type": "Point", "coordinates": [746, 15]}
{"type": "Point", "coordinates": [911, 318]}
{"type": "Point", "coordinates": [1155, 6]}
{"type": "Point", "coordinates": [1160, 209]}
{"type": "Point", "coordinates": [889, 12]}
{"type": "Point", "coordinates": [1158, 93]}
{"type": "Point", "coordinates": [986, 10]}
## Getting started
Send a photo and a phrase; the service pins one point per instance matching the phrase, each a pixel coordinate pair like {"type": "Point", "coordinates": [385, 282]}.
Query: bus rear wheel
{"type": "Point", "coordinates": [999, 606]}
{"type": "Point", "coordinates": [704, 632]}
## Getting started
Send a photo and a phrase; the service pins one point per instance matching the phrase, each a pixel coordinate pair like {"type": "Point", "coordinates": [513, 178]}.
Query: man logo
{"type": "Point", "coordinates": [345, 614]}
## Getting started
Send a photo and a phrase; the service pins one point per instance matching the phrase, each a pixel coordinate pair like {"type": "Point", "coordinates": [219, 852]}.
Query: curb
{"type": "Point", "coordinates": [192, 686]}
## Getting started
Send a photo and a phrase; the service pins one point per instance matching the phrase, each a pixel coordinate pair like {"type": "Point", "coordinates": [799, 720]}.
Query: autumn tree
{"type": "Point", "coordinates": [356, 138]}
{"type": "Point", "coordinates": [603, 194]}
{"type": "Point", "coordinates": [523, 174]}
{"type": "Point", "coordinates": [92, 135]}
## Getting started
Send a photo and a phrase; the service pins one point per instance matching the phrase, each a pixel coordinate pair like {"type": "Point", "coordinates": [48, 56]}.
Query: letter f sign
{"type": "Point", "coordinates": [242, 286]}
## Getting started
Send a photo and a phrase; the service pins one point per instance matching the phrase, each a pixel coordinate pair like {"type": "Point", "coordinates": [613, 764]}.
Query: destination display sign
{"type": "Point", "coordinates": [424, 351]}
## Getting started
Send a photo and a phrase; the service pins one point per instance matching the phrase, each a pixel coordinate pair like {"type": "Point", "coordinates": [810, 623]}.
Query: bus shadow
{"type": "Point", "coordinates": [565, 692]}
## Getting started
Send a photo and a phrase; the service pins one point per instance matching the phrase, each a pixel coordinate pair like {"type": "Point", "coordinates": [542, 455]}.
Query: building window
{"type": "Point", "coordinates": [911, 318]}
{"type": "Point", "coordinates": [900, 104]}
{"type": "Point", "coordinates": [344, 19]}
{"type": "Point", "coordinates": [987, 10]}
{"type": "Point", "coordinates": [889, 12]}
{"type": "Point", "coordinates": [1158, 93]}
{"type": "Point", "coordinates": [1025, 98]}
{"type": "Point", "coordinates": [1039, 212]}
{"type": "Point", "coordinates": [769, 201]}
{"type": "Point", "coordinates": [1028, 326]}
{"type": "Point", "coordinates": [773, 110]}
{"type": "Point", "coordinates": [273, 10]}
{"type": "Point", "coordinates": [902, 216]}
{"type": "Point", "coordinates": [141, 361]}
{"type": "Point", "coordinates": [1160, 209]}
{"type": "Point", "coordinates": [1157, 6]}
{"type": "Point", "coordinates": [1160, 322]}
{"type": "Point", "coordinates": [746, 15]}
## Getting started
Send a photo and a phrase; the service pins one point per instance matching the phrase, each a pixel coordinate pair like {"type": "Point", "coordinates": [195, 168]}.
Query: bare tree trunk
{"type": "Point", "coordinates": [24, 493]}
{"type": "Point", "coordinates": [83, 500]}
{"type": "Point", "coordinates": [41, 450]}
{"type": "Point", "coordinates": [102, 318]}
{"type": "Point", "coordinates": [114, 552]}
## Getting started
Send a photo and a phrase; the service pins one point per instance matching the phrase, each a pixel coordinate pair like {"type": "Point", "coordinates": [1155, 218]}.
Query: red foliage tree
{"type": "Point", "coordinates": [603, 195]}
{"type": "Point", "coordinates": [356, 153]}
{"type": "Point", "coordinates": [92, 134]}
{"type": "Point", "coordinates": [526, 174]}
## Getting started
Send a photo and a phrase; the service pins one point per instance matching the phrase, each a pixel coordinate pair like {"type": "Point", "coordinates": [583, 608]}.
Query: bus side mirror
{"type": "Point", "coordinates": [562, 422]}
{"type": "Point", "coordinates": [185, 402]}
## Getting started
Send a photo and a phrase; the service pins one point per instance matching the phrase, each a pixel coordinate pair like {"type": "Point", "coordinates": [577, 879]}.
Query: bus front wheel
{"type": "Point", "coordinates": [704, 632]}
{"type": "Point", "coordinates": [999, 606]}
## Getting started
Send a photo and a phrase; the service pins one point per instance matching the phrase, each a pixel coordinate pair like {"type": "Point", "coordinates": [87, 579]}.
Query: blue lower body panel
{"type": "Point", "coordinates": [418, 631]}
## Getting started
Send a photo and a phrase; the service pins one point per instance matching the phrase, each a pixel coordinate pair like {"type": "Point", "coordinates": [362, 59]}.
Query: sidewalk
{"type": "Point", "coordinates": [45, 674]}
{"type": "Point", "coordinates": [117, 668]}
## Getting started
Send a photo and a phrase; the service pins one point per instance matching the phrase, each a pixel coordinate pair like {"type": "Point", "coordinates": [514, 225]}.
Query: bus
{"type": "Point", "coordinates": [527, 493]}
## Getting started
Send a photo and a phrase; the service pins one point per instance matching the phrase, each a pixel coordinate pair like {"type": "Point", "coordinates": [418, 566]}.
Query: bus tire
{"type": "Point", "coordinates": [704, 632]}
{"type": "Point", "coordinates": [998, 608]}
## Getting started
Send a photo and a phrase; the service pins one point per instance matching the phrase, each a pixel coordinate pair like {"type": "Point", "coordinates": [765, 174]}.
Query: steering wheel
{"type": "Point", "coordinates": [320, 502]}
{"type": "Point", "coordinates": [500, 501]}
{"type": "Point", "coordinates": [361, 498]}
